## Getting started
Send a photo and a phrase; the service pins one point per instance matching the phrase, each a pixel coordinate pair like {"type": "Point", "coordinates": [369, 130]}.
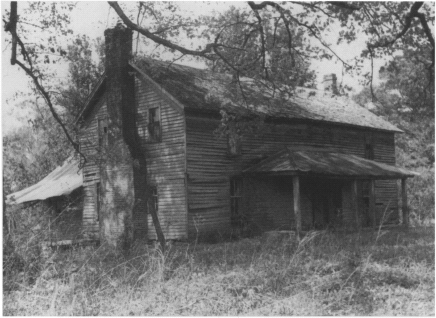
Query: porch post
{"type": "Point", "coordinates": [354, 200]}
{"type": "Point", "coordinates": [297, 211]}
{"type": "Point", "coordinates": [372, 211]}
{"type": "Point", "coordinates": [404, 203]}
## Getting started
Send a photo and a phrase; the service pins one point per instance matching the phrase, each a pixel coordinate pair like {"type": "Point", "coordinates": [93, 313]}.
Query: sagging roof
{"type": "Point", "coordinates": [198, 89]}
{"type": "Point", "coordinates": [325, 163]}
{"type": "Point", "coordinates": [207, 90]}
{"type": "Point", "coordinates": [61, 181]}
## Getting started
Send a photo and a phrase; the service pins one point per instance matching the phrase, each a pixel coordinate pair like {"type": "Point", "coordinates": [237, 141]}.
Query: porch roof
{"type": "Point", "coordinates": [326, 163]}
{"type": "Point", "coordinates": [61, 181]}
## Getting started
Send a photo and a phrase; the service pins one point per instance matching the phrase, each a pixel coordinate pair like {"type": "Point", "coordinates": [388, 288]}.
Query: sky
{"type": "Point", "coordinates": [92, 18]}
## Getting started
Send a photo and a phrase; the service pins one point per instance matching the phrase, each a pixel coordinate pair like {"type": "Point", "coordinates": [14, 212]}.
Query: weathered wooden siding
{"type": "Point", "coordinates": [166, 162]}
{"type": "Point", "coordinates": [88, 140]}
{"type": "Point", "coordinates": [113, 172]}
{"type": "Point", "coordinates": [165, 166]}
{"type": "Point", "coordinates": [210, 167]}
{"type": "Point", "coordinates": [277, 214]}
{"type": "Point", "coordinates": [386, 190]}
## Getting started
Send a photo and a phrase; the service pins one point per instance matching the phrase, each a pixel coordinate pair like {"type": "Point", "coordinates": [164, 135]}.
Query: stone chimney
{"type": "Point", "coordinates": [117, 190]}
{"type": "Point", "coordinates": [119, 84]}
{"type": "Point", "coordinates": [330, 86]}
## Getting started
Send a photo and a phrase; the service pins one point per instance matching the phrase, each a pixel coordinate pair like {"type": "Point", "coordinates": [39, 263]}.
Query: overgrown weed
{"type": "Point", "coordinates": [326, 273]}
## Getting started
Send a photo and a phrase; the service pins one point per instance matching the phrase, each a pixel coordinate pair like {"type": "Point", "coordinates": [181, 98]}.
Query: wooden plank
{"type": "Point", "coordinates": [355, 205]}
{"type": "Point", "coordinates": [405, 209]}
{"type": "Point", "coordinates": [297, 205]}
{"type": "Point", "coordinates": [372, 199]}
{"type": "Point", "coordinates": [207, 159]}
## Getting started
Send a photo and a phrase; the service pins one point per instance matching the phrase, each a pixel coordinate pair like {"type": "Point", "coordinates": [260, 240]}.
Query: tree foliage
{"type": "Point", "coordinates": [84, 70]}
{"type": "Point", "coordinates": [405, 99]}
{"type": "Point", "coordinates": [241, 48]}
{"type": "Point", "coordinates": [387, 26]}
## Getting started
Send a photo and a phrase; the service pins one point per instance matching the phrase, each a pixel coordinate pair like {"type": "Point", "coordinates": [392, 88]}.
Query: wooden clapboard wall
{"type": "Point", "coordinates": [165, 165]}
{"type": "Point", "coordinates": [165, 162]}
{"type": "Point", "coordinates": [210, 167]}
{"type": "Point", "coordinates": [88, 139]}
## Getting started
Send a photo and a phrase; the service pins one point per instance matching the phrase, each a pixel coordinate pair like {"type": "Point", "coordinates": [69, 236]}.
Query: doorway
{"type": "Point", "coordinates": [326, 198]}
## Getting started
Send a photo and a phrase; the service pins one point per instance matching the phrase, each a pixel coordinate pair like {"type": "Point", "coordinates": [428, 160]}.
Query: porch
{"type": "Point", "coordinates": [315, 188]}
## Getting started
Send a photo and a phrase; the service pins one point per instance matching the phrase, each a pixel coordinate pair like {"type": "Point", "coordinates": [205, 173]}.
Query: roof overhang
{"type": "Point", "coordinates": [61, 181]}
{"type": "Point", "coordinates": [325, 163]}
{"type": "Point", "coordinates": [99, 88]}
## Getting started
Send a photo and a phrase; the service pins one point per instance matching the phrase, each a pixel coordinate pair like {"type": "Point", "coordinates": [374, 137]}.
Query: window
{"type": "Point", "coordinates": [369, 148]}
{"type": "Point", "coordinates": [154, 130]}
{"type": "Point", "coordinates": [234, 144]}
{"type": "Point", "coordinates": [153, 201]}
{"type": "Point", "coordinates": [369, 151]}
{"type": "Point", "coordinates": [102, 132]}
{"type": "Point", "coordinates": [236, 201]}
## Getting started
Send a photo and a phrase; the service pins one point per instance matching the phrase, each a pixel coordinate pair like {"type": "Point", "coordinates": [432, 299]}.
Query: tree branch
{"type": "Point", "coordinates": [47, 99]}
{"type": "Point", "coordinates": [413, 13]}
{"type": "Point", "coordinates": [203, 53]}
{"type": "Point", "coordinates": [11, 27]}
{"type": "Point", "coordinates": [345, 5]}
{"type": "Point", "coordinates": [262, 38]}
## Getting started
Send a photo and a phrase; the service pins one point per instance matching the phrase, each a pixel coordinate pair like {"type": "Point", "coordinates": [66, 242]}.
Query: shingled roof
{"type": "Point", "coordinates": [203, 89]}
{"type": "Point", "coordinates": [198, 89]}
{"type": "Point", "coordinates": [326, 163]}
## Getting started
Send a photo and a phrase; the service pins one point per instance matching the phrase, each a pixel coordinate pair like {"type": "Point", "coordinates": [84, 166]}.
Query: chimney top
{"type": "Point", "coordinates": [330, 77]}
{"type": "Point", "coordinates": [329, 81]}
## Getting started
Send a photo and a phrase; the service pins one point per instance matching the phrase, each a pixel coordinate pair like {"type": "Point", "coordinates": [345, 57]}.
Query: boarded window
{"type": "Point", "coordinates": [102, 132]}
{"type": "Point", "coordinates": [154, 126]}
{"type": "Point", "coordinates": [236, 201]}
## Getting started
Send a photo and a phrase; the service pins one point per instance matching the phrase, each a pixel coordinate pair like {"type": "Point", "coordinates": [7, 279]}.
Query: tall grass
{"type": "Point", "coordinates": [382, 272]}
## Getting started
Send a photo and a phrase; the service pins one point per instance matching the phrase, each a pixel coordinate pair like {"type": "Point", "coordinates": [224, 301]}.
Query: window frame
{"type": "Point", "coordinates": [154, 197]}
{"type": "Point", "coordinates": [236, 149]}
{"type": "Point", "coordinates": [154, 128]}
{"type": "Point", "coordinates": [369, 148]}
{"type": "Point", "coordinates": [102, 132]}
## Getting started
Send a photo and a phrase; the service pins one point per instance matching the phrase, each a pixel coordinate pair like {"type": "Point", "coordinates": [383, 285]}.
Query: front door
{"type": "Point", "coordinates": [326, 200]}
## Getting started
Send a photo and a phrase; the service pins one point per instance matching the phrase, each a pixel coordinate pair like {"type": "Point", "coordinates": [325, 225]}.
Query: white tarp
{"type": "Point", "coordinates": [61, 181]}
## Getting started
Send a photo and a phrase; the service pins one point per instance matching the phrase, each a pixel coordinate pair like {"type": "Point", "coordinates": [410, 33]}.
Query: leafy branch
{"type": "Point", "coordinates": [11, 27]}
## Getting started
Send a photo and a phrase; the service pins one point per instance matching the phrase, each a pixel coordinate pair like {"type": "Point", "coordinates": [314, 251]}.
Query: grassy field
{"type": "Point", "coordinates": [388, 272]}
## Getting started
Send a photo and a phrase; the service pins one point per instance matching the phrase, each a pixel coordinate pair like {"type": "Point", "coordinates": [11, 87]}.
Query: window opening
{"type": "Point", "coordinates": [236, 202]}
{"type": "Point", "coordinates": [369, 148]}
{"type": "Point", "coordinates": [234, 144]}
{"type": "Point", "coordinates": [154, 199]}
{"type": "Point", "coordinates": [102, 132]}
{"type": "Point", "coordinates": [369, 151]}
{"type": "Point", "coordinates": [154, 129]}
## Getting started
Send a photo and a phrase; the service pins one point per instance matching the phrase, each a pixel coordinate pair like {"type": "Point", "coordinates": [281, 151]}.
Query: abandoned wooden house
{"type": "Point", "coordinates": [319, 159]}
{"type": "Point", "coordinates": [60, 195]}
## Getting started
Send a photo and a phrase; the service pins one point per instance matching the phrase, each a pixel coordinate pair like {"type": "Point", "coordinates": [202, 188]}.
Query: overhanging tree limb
{"type": "Point", "coordinates": [413, 13]}
{"type": "Point", "coordinates": [11, 27]}
{"type": "Point", "coordinates": [345, 5]}
{"type": "Point", "coordinates": [203, 53]}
